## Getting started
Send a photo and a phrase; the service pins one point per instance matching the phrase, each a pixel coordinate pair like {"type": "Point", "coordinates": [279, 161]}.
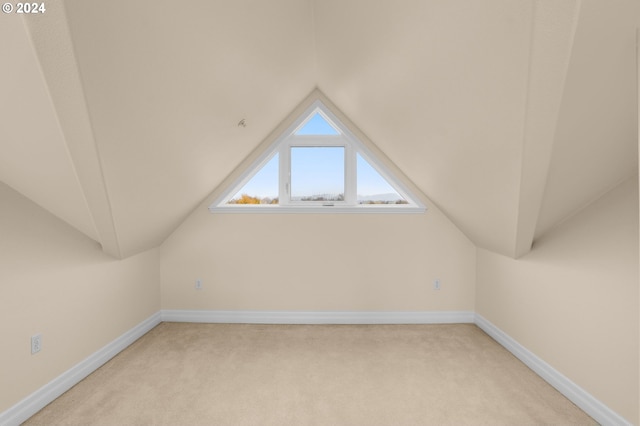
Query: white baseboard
{"type": "Point", "coordinates": [319, 317]}
{"type": "Point", "coordinates": [590, 405]}
{"type": "Point", "coordinates": [47, 393]}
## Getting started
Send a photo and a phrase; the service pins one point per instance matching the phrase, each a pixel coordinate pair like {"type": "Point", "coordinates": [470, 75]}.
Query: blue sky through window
{"type": "Point", "coordinates": [317, 171]}
{"type": "Point", "coordinates": [371, 185]}
{"type": "Point", "coordinates": [317, 125]}
{"type": "Point", "coordinates": [265, 183]}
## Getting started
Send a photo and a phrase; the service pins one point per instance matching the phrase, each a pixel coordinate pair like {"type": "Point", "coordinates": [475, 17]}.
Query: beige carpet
{"type": "Point", "coordinates": [238, 374]}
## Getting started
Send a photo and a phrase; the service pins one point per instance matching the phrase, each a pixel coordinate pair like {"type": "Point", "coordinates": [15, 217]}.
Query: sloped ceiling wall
{"type": "Point", "coordinates": [509, 115]}
{"type": "Point", "coordinates": [596, 139]}
{"type": "Point", "coordinates": [34, 157]}
{"type": "Point", "coordinates": [463, 96]}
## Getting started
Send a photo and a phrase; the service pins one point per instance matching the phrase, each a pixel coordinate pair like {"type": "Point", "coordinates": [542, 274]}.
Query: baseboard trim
{"type": "Point", "coordinates": [319, 317]}
{"type": "Point", "coordinates": [590, 405]}
{"type": "Point", "coordinates": [52, 390]}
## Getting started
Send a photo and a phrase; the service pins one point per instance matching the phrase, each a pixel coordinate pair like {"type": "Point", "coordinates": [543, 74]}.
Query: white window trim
{"type": "Point", "coordinates": [282, 146]}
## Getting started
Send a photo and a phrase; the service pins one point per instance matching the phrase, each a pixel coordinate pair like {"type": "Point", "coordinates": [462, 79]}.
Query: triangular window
{"type": "Point", "coordinates": [317, 165]}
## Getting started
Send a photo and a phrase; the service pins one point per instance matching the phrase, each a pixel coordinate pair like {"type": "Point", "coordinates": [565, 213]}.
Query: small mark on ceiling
{"type": "Point", "coordinates": [242, 123]}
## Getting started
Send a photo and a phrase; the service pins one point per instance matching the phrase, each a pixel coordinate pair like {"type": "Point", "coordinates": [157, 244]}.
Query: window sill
{"type": "Point", "coordinates": [267, 209]}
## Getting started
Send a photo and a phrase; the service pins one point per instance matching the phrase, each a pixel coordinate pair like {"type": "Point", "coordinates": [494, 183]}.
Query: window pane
{"type": "Point", "coordinates": [373, 188]}
{"type": "Point", "coordinates": [317, 125]}
{"type": "Point", "coordinates": [261, 188]}
{"type": "Point", "coordinates": [317, 173]}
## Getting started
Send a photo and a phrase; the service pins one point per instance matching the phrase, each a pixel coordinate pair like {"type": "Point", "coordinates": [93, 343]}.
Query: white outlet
{"type": "Point", "coordinates": [36, 343]}
{"type": "Point", "coordinates": [436, 284]}
{"type": "Point", "coordinates": [198, 284]}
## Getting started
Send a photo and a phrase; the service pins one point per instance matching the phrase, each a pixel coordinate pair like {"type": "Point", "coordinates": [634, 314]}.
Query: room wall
{"type": "Point", "coordinates": [57, 282]}
{"type": "Point", "coordinates": [318, 262]}
{"type": "Point", "coordinates": [573, 300]}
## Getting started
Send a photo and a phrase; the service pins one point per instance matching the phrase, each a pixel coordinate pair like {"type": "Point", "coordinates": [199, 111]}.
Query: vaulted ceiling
{"type": "Point", "coordinates": [120, 117]}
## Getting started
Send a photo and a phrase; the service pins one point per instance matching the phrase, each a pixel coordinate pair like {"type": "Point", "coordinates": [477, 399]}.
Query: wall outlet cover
{"type": "Point", "coordinates": [36, 343]}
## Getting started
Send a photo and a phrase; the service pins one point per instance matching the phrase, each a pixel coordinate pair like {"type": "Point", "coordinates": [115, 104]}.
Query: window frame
{"type": "Point", "coordinates": [313, 142]}
{"type": "Point", "coordinates": [282, 147]}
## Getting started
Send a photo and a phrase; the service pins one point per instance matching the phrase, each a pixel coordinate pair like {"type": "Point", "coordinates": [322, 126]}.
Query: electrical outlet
{"type": "Point", "coordinates": [436, 284]}
{"type": "Point", "coordinates": [198, 284]}
{"type": "Point", "coordinates": [36, 343]}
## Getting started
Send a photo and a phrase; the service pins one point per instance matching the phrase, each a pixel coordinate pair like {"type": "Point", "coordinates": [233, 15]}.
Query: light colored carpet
{"type": "Point", "coordinates": [241, 374]}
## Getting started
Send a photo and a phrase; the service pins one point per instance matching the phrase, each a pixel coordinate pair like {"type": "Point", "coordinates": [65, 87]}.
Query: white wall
{"type": "Point", "coordinates": [318, 262]}
{"type": "Point", "coordinates": [57, 282]}
{"type": "Point", "coordinates": [573, 300]}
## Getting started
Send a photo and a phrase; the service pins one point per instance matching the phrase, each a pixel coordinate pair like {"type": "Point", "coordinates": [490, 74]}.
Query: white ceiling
{"type": "Point", "coordinates": [120, 117]}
